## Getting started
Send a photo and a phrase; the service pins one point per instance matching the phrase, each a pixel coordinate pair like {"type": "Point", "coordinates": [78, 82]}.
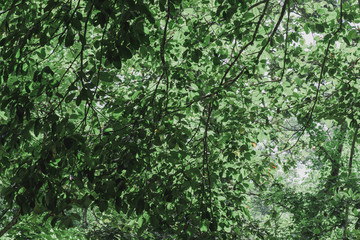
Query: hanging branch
{"type": "Point", "coordinates": [62, 77]}
{"type": "Point", "coordinates": [321, 76]}
{"type": "Point", "coordinates": [205, 158]}
{"type": "Point", "coordinates": [98, 80]}
{"type": "Point", "coordinates": [323, 66]}
{"type": "Point", "coordinates": [286, 43]}
{"type": "Point", "coordinates": [162, 52]}
{"type": "Point", "coordinates": [156, 87]}
{"type": "Point", "coordinates": [163, 61]}
{"type": "Point", "coordinates": [83, 44]}
{"type": "Point", "coordinates": [352, 150]}
{"type": "Point", "coordinates": [335, 164]}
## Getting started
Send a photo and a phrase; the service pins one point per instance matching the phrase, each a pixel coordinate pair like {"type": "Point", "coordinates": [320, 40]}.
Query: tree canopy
{"type": "Point", "coordinates": [185, 118]}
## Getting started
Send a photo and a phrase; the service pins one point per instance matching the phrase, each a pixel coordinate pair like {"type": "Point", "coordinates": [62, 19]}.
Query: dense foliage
{"type": "Point", "coordinates": [179, 119]}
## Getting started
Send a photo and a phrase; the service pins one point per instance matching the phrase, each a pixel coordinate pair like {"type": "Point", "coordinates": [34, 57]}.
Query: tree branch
{"type": "Point", "coordinates": [352, 151]}
{"type": "Point", "coordinates": [205, 157]}
{"type": "Point", "coordinates": [162, 52]}
{"type": "Point", "coordinates": [12, 7]}
{"type": "Point", "coordinates": [11, 223]}
{"type": "Point", "coordinates": [321, 75]}
{"type": "Point", "coordinates": [286, 43]}
{"type": "Point", "coordinates": [275, 29]}
{"type": "Point", "coordinates": [247, 45]}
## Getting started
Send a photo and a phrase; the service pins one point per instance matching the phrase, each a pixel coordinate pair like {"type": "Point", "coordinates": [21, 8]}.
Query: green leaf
{"type": "Point", "coordinates": [70, 97]}
{"type": "Point", "coordinates": [135, 95]}
{"type": "Point", "coordinates": [102, 19]}
{"type": "Point", "coordinates": [43, 39]}
{"type": "Point", "coordinates": [227, 229]}
{"type": "Point", "coordinates": [47, 69]}
{"type": "Point", "coordinates": [117, 64]}
{"type": "Point", "coordinates": [106, 77]}
{"type": "Point", "coordinates": [140, 205]}
{"type": "Point", "coordinates": [204, 225]}
{"type": "Point", "coordinates": [42, 53]}
{"type": "Point", "coordinates": [69, 39]}
{"type": "Point", "coordinates": [37, 127]}
{"type": "Point", "coordinates": [125, 52]}
{"type": "Point", "coordinates": [320, 28]}
{"type": "Point", "coordinates": [352, 34]}
{"type": "Point", "coordinates": [76, 24]}
{"type": "Point", "coordinates": [154, 220]}
{"type": "Point", "coordinates": [103, 205]}
{"type": "Point", "coordinates": [78, 100]}
{"type": "Point", "coordinates": [346, 41]}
